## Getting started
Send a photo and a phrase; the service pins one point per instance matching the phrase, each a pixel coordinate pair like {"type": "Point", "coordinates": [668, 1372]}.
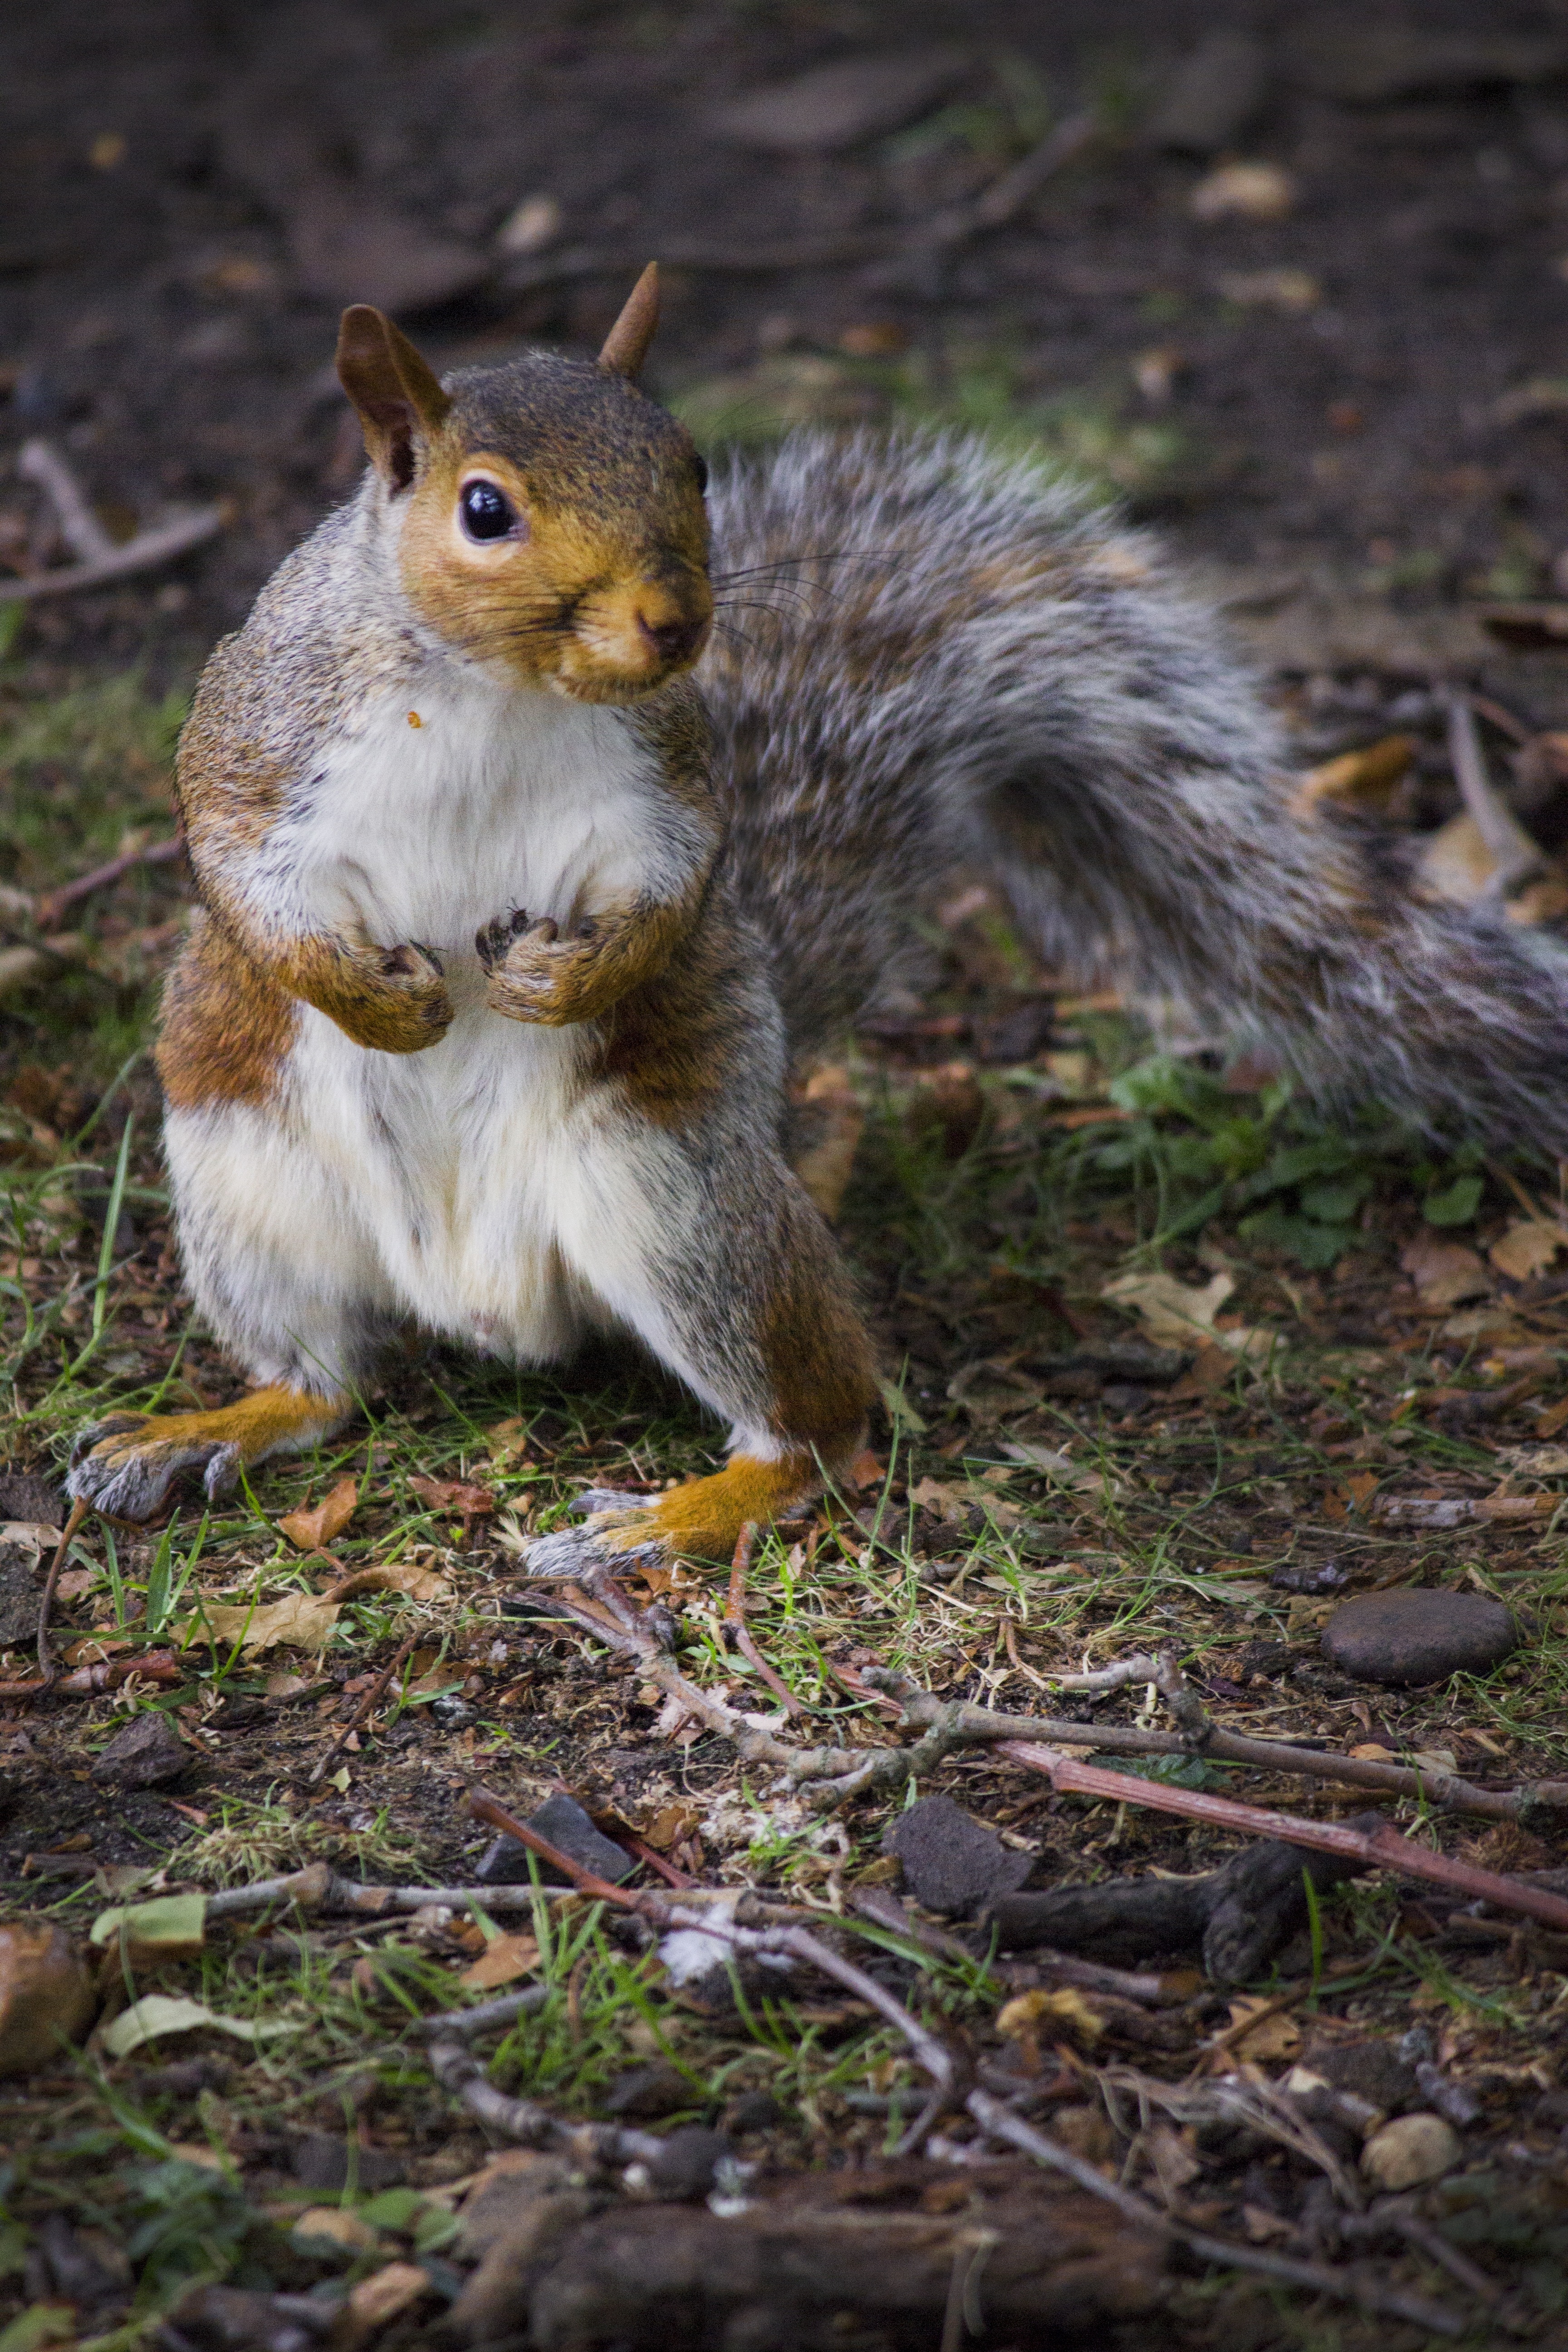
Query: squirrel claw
{"type": "Point", "coordinates": [127, 1479]}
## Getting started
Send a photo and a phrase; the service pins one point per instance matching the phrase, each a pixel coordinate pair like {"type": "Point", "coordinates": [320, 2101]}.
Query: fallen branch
{"type": "Point", "coordinates": [1443, 1792]}
{"type": "Point", "coordinates": [160, 1666]}
{"type": "Point", "coordinates": [318, 1887]}
{"type": "Point", "coordinates": [1000, 203]}
{"type": "Point", "coordinates": [99, 558]}
{"type": "Point", "coordinates": [54, 903]}
{"type": "Point", "coordinates": [1382, 1849]}
{"type": "Point", "coordinates": [46, 1667]}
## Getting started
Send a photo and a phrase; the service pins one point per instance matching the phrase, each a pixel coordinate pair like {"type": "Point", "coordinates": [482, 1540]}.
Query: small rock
{"type": "Point", "coordinates": [684, 2165]}
{"type": "Point", "coordinates": [1372, 2070]}
{"type": "Point", "coordinates": [1213, 94]}
{"type": "Point", "coordinates": [19, 1594]}
{"type": "Point", "coordinates": [1410, 1638]}
{"type": "Point", "coordinates": [563, 1821]}
{"type": "Point", "coordinates": [836, 106]}
{"type": "Point", "coordinates": [1249, 191]}
{"type": "Point", "coordinates": [950, 1863]}
{"type": "Point", "coordinates": [45, 1992]}
{"type": "Point", "coordinates": [1408, 2151]}
{"type": "Point", "coordinates": [659, 2089]}
{"type": "Point", "coordinates": [242, 2319]}
{"type": "Point", "coordinates": [148, 1751]}
{"type": "Point", "coordinates": [758, 2111]}
{"type": "Point", "coordinates": [321, 2160]}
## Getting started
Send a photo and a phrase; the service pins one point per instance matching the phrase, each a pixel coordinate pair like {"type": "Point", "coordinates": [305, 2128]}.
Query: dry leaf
{"type": "Point", "coordinates": [1445, 1273]}
{"type": "Point", "coordinates": [376, 2301]}
{"type": "Point", "coordinates": [504, 1960]}
{"type": "Point", "coordinates": [1528, 1248]}
{"type": "Point", "coordinates": [309, 1531]}
{"type": "Point", "coordinates": [1536, 1461]}
{"type": "Point", "coordinates": [1210, 1369]}
{"type": "Point", "coordinates": [1171, 2157]}
{"type": "Point", "coordinates": [1254, 192]}
{"type": "Point", "coordinates": [865, 1471]}
{"type": "Point", "coordinates": [160, 2013]}
{"type": "Point", "coordinates": [403, 1576]}
{"type": "Point", "coordinates": [455, 1495]}
{"type": "Point", "coordinates": [670, 1826]}
{"type": "Point", "coordinates": [1279, 2036]}
{"type": "Point", "coordinates": [337, 2224]}
{"type": "Point", "coordinates": [1176, 1315]}
{"type": "Point", "coordinates": [1065, 2009]}
{"type": "Point", "coordinates": [304, 1619]}
{"type": "Point", "coordinates": [507, 1444]}
{"type": "Point", "coordinates": [1364, 780]}
{"type": "Point", "coordinates": [46, 1997]}
{"type": "Point", "coordinates": [77, 1581]}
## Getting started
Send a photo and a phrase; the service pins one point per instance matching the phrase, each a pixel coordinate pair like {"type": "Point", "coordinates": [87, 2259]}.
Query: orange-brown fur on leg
{"type": "Point", "coordinates": [126, 1466]}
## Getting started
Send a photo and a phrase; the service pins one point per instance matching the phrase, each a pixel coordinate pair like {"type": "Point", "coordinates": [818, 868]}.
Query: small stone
{"type": "Point", "coordinates": [659, 2089]}
{"type": "Point", "coordinates": [20, 1590]}
{"type": "Point", "coordinates": [1372, 2070]}
{"type": "Point", "coordinates": [563, 1821]}
{"type": "Point", "coordinates": [758, 2111]}
{"type": "Point", "coordinates": [148, 1751]}
{"type": "Point", "coordinates": [24, 1495]}
{"type": "Point", "coordinates": [950, 1863]}
{"type": "Point", "coordinates": [685, 2164]}
{"type": "Point", "coordinates": [1213, 94]}
{"type": "Point", "coordinates": [838, 105]}
{"type": "Point", "coordinates": [1408, 2151]}
{"type": "Point", "coordinates": [321, 2160]}
{"type": "Point", "coordinates": [1411, 1638]}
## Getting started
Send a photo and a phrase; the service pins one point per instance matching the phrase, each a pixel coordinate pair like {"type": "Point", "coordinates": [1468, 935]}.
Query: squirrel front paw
{"type": "Point", "coordinates": [394, 999]}
{"type": "Point", "coordinates": [532, 974]}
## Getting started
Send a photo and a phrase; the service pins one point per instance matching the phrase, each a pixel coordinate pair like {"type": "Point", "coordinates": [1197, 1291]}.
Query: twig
{"type": "Point", "coordinates": [53, 904]}
{"type": "Point", "coordinates": [160, 1666]}
{"type": "Point", "coordinates": [1382, 1849]}
{"type": "Point", "coordinates": [1000, 2123]}
{"type": "Point", "coordinates": [735, 1621]}
{"type": "Point", "coordinates": [1001, 203]}
{"type": "Point", "coordinates": [98, 557]}
{"type": "Point", "coordinates": [318, 1887]}
{"type": "Point", "coordinates": [46, 1666]}
{"type": "Point", "coordinates": [461, 2073]}
{"type": "Point", "coordinates": [1515, 853]}
{"type": "Point", "coordinates": [362, 1713]}
{"type": "Point", "coordinates": [503, 2010]}
{"type": "Point", "coordinates": [1445, 1791]}
{"type": "Point", "coordinates": [1137, 1669]}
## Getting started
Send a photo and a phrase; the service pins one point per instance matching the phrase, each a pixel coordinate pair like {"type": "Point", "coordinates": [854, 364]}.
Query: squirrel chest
{"type": "Point", "coordinates": [449, 1173]}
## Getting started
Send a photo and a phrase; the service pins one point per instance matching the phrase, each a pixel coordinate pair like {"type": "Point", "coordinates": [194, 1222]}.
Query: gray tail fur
{"type": "Point", "coordinates": [933, 657]}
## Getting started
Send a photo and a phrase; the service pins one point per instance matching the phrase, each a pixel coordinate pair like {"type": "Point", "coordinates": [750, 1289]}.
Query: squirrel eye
{"type": "Point", "coordinates": [487, 512]}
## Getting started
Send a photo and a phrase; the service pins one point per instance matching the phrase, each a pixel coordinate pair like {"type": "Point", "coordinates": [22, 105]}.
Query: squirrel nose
{"type": "Point", "coordinates": [671, 640]}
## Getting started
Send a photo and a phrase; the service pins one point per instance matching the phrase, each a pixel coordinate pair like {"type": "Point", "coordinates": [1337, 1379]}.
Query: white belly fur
{"type": "Point", "coordinates": [442, 1185]}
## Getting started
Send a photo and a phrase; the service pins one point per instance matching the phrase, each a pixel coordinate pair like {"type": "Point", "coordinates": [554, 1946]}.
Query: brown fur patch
{"type": "Point", "coordinates": [226, 1026]}
{"type": "Point", "coordinates": [391, 999]}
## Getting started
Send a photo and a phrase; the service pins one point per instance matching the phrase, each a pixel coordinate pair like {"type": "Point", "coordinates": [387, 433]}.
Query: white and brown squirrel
{"type": "Point", "coordinates": [523, 889]}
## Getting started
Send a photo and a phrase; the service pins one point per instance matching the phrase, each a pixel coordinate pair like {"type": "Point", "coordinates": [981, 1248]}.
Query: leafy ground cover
{"type": "Point", "coordinates": [1062, 1478]}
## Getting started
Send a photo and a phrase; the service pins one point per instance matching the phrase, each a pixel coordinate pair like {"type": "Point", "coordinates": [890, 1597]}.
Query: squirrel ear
{"type": "Point", "coordinates": [626, 345]}
{"type": "Point", "coordinates": [398, 398]}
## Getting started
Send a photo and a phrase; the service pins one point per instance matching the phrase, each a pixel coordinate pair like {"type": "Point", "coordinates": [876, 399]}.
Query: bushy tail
{"type": "Point", "coordinates": [967, 662]}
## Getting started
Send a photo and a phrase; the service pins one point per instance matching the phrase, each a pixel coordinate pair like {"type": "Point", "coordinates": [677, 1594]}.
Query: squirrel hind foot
{"type": "Point", "coordinates": [126, 1466]}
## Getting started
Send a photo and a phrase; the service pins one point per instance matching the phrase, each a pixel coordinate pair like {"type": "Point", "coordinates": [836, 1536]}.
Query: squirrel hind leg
{"type": "Point", "coordinates": [700, 1520]}
{"type": "Point", "coordinates": [126, 1466]}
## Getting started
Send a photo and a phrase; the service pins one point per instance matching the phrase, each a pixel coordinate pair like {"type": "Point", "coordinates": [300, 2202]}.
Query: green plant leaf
{"type": "Point", "coordinates": [1455, 1203]}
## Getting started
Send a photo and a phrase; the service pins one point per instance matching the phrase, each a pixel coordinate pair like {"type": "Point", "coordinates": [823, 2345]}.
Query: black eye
{"type": "Point", "coordinates": [701, 465]}
{"type": "Point", "coordinates": [487, 511]}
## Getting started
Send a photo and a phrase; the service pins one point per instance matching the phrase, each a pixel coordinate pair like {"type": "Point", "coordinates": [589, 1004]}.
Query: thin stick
{"type": "Point", "coordinates": [365, 1708]}
{"type": "Point", "coordinates": [735, 1620]}
{"type": "Point", "coordinates": [39, 462]}
{"type": "Point", "coordinates": [46, 1666]}
{"type": "Point", "coordinates": [53, 905]}
{"type": "Point", "coordinates": [1382, 1849]}
{"type": "Point", "coordinates": [160, 1666]}
{"type": "Point", "coordinates": [1447, 1791]}
{"type": "Point", "coordinates": [159, 544]}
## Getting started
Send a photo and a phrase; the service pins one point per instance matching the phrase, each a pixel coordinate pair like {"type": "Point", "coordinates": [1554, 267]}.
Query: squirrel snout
{"type": "Point", "coordinates": [672, 641]}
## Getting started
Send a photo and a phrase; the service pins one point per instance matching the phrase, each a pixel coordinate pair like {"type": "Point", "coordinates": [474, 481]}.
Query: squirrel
{"type": "Point", "coordinates": [523, 887]}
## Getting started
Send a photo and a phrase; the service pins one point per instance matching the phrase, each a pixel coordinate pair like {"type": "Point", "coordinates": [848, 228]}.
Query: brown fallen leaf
{"type": "Point", "coordinates": [504, 1958]}
{"type": "Point", "coordinates": [303, 1620]}
{"type": "Point", "coordinates": [1444, 1273]}
{"type": "Point", "coordinates": [377, 2301]}
{"type": "Point", "coordinates": [1365, 780]}
{"type": "Point", "coordinates": [1276, 2036]}
{"type": "Point", "coordinates": [402, 1576]}
{"type": "Point", "coordinates": [1554, 1418]}
{"type": "Point", "coordinates": [455, 1495]}
{"type": "Point", "coordinates": [308, 1531]}
{"type": "Point", "coordinates": [46, 1996]}
{"type": "Point", "coordinates": [1062, 2010]}
{"type": "Point", "coordinates": [1528, 1248]}
{"type": "Point", "coordinates": [1210, 1369]}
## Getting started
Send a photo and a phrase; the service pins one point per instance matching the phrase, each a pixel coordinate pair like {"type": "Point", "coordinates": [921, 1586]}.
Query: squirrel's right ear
{"type": "Point", "coordinates": [626, 345]}
{"type": "Point", "coordinates": [398, 398]}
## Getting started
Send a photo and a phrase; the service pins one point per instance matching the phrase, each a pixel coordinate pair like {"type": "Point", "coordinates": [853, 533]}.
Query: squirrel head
{"type": "Point", "coordinates": [553, 525]}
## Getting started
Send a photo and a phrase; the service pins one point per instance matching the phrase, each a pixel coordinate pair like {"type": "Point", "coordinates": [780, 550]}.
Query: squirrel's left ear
{"type": "Point", "coordinates": [398, 398]}
{"type": "Point", "coordinates": [626, 345]}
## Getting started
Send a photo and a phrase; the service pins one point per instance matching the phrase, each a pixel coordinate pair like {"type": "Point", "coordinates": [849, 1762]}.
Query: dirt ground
{"type": "Point", "coordinates": [1350, 414]}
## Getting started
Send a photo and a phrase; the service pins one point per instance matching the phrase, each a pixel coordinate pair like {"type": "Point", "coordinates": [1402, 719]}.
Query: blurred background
{"type": "Point", "coordinates": [1294, 283]}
